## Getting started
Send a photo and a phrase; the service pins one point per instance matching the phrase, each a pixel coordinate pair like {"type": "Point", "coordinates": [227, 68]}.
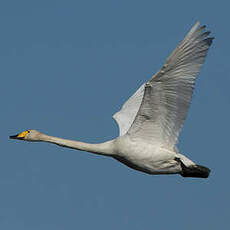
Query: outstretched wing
{"type": "Point", "coordinates": [168, 94]}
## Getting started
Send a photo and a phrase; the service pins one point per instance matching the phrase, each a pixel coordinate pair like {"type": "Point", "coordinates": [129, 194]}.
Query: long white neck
{"type": "Point", "coordinates": [106, 148]}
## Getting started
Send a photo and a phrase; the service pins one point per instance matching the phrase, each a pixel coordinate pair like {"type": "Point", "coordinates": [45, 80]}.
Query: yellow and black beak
{"type": "Point", "coordinates": [19, 136]}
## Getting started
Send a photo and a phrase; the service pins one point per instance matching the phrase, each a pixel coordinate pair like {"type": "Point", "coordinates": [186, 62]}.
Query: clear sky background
{"type": "Point", "coordinates": [66, 67]}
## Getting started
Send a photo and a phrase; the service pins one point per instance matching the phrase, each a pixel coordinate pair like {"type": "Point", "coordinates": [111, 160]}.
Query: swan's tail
{"type": "Point", "coordinates": [195, 171]}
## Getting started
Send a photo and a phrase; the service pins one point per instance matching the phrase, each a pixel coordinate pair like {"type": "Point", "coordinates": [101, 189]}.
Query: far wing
{"type": "Point", "coordinates": [168, 94]}
{"type": "Point", "coordinates": [128, 112]}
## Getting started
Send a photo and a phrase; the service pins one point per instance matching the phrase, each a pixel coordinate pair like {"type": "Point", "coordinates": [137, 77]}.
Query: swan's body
{"type": "Point", "coordinates": [151, 120]}
{"type": "Point", "coordinates": [145, 157]}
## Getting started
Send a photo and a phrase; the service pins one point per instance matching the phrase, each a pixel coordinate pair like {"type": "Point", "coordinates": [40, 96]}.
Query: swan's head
{"type": "Point", "coordinates": [28, 135]}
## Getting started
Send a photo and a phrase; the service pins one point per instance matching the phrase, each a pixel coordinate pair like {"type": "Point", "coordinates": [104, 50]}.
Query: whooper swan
{"type": "Point", "coordinates": [151, 120]}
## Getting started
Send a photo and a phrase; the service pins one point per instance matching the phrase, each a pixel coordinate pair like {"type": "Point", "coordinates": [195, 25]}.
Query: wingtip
{"type": "Point", "coordinates": [203, 27]}
{"type": "Point", "coordinates": [193, 30]}
{"type": "Point", "coordinates": [209, 40]}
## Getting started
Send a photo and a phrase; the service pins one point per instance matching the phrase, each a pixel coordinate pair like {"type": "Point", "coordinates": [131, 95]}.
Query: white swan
{"type": "Point", "coordinates": [151, 120]}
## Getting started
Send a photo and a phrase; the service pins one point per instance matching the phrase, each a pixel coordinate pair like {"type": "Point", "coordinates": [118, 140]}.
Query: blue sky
{"type": "Point", "coordinates": [66, 67]}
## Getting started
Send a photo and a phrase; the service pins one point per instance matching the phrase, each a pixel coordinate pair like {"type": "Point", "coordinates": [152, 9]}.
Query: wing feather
{"type": "Point", "coordinates": [168, 94]}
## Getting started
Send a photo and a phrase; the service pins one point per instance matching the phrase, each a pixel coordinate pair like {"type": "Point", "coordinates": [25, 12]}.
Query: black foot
{"type": "Point", "coordinates": [194, 170]}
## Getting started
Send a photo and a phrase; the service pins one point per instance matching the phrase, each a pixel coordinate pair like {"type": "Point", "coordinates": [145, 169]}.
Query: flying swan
{"type": "Point", "coordinates": [151, 119]}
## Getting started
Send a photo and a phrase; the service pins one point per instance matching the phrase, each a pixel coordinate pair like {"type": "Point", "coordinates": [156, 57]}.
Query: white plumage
{"type": "Point", "coordinates": [167, 94]}
{"type": "Point", "coordinates": [127, 114]}
{"type": "Point", "coordinates": [150, 121]}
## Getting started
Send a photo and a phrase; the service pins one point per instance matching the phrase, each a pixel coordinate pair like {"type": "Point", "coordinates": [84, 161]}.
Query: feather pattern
{"type": "Point", "coordinates": [168, 93]}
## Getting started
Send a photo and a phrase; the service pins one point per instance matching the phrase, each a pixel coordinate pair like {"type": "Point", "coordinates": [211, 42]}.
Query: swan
{"type": "Point", "coordinates": [151, 119]}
